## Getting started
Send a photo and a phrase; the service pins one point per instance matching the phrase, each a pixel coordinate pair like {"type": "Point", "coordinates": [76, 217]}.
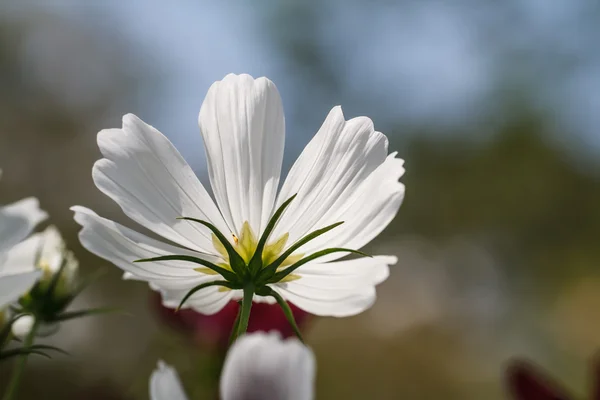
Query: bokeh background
{"type": "Point", "coordinates": [493, 105]}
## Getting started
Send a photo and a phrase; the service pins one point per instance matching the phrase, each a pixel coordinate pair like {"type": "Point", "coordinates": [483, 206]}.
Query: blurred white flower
{"type": "Point", "coordinates": [262, 366]}
{"type": "Point", "coordinates": [54, 256]}
{"type": "Point", "coordinates": [44, 252]}
{"type": "Point", "coordinates": [13, 286]}
{"type": "Point", "coordinates": [165, 384]}
{"type": "Point", "coordinates": [345, 174]}
{"type": "Point", "coordinates": [22, 326]}
{"type": "Point", "coordinates": [17, 220]}
{"type": "Point", "coordinates": [257, 366]}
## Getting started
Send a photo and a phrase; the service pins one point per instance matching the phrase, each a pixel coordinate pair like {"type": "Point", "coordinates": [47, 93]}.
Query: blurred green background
{"type": "Point", "coordinates": [493, 105]}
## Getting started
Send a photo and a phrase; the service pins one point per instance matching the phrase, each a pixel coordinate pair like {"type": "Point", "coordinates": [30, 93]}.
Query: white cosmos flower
{"type": "Point", "coordinates": [344, 174]}
{"type": "Point", "coordinates": [257, 366]}
{"type": "Point", "coordinates": [17, 220]}
{"type": "Point", "coordinates": [43, 253]}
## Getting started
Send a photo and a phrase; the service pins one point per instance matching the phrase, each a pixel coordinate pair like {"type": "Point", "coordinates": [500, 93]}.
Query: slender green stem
{"type": "Point", "coordinates": [19, 368]}
{"type": "Point", "coordinates": [236, 325]}
{"type": "Point", "coordinates": [245, 309]}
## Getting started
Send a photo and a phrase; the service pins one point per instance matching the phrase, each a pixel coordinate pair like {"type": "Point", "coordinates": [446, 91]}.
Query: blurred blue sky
{"type": "Point", "coordinates": [416, 63]}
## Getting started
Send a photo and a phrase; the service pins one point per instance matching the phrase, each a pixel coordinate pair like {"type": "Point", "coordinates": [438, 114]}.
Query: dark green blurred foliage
{"type": "Point", "coordinates": [518, 191]}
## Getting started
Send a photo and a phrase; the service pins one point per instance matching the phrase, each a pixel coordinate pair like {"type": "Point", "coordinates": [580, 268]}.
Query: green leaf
{"type": "Point", "coordinates": [255, 263]}
{"type": "Point", "coordinates": [33, 349]}
{"type": "Point", "coordinates": [86, 313]}
{"type": "Point", "coordinates": [235, 260]}
{"type": "Point", "coordinates": [47, 347]}
{"type": "Point", "coordinates": [270, 270]}
{"type": "Point", "coordinates": [282, 274]}
{"type": "Point", "coordinates": [287, 311]}
{"type": "Point", "coordinates": [21, 351]}
{"type": "Point", "coordinates": [229, 275]}
{"type": "Point", "coordinates": [202, 286]}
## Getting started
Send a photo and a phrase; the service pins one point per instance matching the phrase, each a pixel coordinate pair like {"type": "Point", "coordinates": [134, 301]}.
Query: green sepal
{"type": "Point", "coordinates": [282, 274]}
{"type": "Point", "coordinates": [235, 260]}
{"type": "Point", "coordinates": [271, 269]}
{"type": "Point", "coordinates": [80, 287]}
{"type": "Point", "coordinates": [226, 284]}
{"type": "Point", "coordinates": [255, 264]}
{"type": "Point", "coordinates": [287, 311]}
{"type": "Point", "coordinates": [21, 351]}
{"type": "Point", "coordinates": [6, 329]}
{"type": "Point", "coordinates": [43, 300]}
{"type": "Point", "coordinates": [33, 349]}
{"type": "Point", "coordinates": [86, 313]}
{"type": "Point", "coordinates": [229, 275]}
{"type": "Point", "coordinates": [48, 347]}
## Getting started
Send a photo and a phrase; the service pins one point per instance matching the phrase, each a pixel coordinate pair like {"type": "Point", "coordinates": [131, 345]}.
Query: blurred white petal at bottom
{"type": "Point", "coordinates": [165, 384]}
{"type": "Point", "coordinates": [262, 366]}
{"type": "Point", "coordinates": [257, 366]}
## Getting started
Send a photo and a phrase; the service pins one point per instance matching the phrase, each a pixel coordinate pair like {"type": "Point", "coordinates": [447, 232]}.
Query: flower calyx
{"type": "Point", "coordinates": [254, 271]}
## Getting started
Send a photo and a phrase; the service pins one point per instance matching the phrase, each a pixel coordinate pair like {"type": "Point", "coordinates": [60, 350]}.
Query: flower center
{"type": "Point", "coordinates": [245, 245]}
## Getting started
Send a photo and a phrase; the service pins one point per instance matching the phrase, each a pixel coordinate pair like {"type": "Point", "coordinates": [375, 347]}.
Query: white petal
{"type": "Point", "coordinates": [262, 366]}
{"type": "Point", "coordinates": [367, 270]}
{"type": "Point", "coordinates": [122, 246]}
{"type": "Point", "coordinates": [207, 301]}
{"type": "Point", "coordinates": [13, 286]}
{"type": "Point", "coordinates": [318, 304]}
{"type": "Point", "coordinates": [165, 384]}
{"type": "Point", "coordinates": [173, 279]}
{"type": "Point", "coordinates": [22, 257]}
{"type": "Point", "coordinates": [17, 220]}
{"type": "Point", "coordinates": [340, 288]}
{"type": "Point", "coordinates": [145, 174]}
{"type": "Point", "coordinates": [53, 248]}
{"type": "Point", "coordinates": [22, 326]}
{"type": "Point", "coordinates": [242, 125]}
{"type": "Point", "coordinates": [343, 174]}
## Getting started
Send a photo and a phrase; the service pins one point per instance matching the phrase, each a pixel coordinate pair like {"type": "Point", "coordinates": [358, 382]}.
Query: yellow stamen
{"type": "Point", "coordinates": [219, 247]}
{"type": "Point", "coordinates": [273, 250]}
{"type": "Point", "coordinates": [245, 245]}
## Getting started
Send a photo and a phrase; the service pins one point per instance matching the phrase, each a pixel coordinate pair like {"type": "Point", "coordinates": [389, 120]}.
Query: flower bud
{"type": "Point", "coordinates": [55, 258]}
{"type": "Point", "coordinates": [58, 283]}
{"type": "Point", "coordinates": [22, 326]}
